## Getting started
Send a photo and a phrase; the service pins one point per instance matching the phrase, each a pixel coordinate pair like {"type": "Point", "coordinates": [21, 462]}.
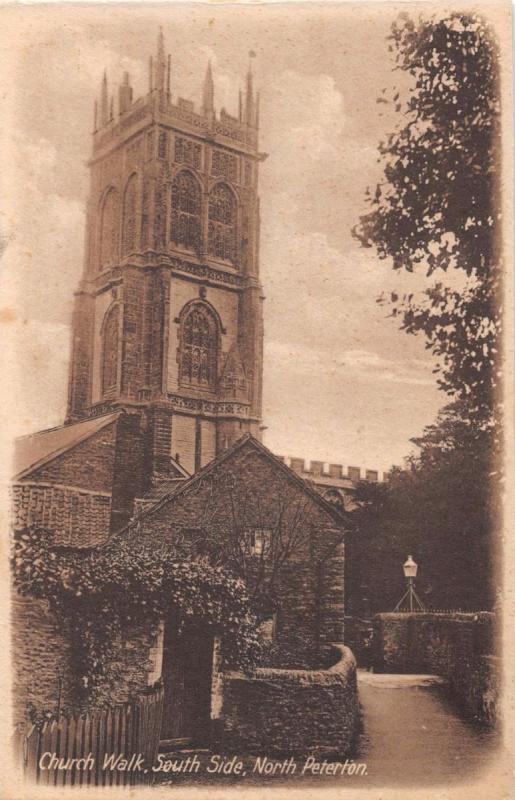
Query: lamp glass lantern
{"type": "Point", "coordinates": [410, 601]}
{"type": "Point", "coordinates": [410, 568]}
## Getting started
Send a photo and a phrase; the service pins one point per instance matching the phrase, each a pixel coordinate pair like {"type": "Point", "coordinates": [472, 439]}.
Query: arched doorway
{"type": "Point", "coordinates": [187, 678]}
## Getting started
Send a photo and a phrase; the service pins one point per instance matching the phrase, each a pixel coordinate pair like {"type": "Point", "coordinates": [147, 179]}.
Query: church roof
{"type": "Point", "coordinates": [36, 449]}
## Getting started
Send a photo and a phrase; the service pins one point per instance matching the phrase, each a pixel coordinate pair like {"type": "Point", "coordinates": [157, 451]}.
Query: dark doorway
{"type": "Point", "coordinates": [187, 673]}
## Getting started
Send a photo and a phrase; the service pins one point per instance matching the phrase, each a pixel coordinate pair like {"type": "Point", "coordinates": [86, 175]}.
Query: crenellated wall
{"type": "Point", "coordinates": [335, 483]}
{"type": "Point", "coordinates": [336, 472]}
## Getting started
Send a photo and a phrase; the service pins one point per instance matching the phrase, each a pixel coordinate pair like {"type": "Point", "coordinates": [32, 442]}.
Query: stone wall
{"type": "Point", "coordinates": [88, 464]}
{"type": "Point", "coordinates": [43, 675]}
{"type": "Point", "coordinates": [41, 664]}
{"type": "Point", "coordinates": [284, 712]}
{"type": "Point", "coordinates": [459, 647]}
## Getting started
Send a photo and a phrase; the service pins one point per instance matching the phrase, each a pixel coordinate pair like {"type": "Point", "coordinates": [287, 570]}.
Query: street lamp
{"type": "Point", "coordinates": [410, 598]}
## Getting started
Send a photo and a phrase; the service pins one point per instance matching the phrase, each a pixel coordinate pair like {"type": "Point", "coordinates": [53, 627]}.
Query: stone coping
{"type": "Point", "coordinates": [460, 616]}
{"type": "Point", "coordinates": [338, 673]}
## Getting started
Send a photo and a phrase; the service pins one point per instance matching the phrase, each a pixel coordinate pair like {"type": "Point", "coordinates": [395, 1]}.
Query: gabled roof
{"type": "Point", "coordinates": [250, 442]}
{"type": "Point", "coordinates": [37, 449]}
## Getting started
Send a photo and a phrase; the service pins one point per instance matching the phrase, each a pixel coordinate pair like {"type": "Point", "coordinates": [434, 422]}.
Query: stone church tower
{"type": "Point", "coordinates": [168, 315]}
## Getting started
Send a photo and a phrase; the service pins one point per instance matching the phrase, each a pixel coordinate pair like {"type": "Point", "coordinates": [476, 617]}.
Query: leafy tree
{"type": "Point", "coordinates": [438, 208]}
{"type": "Point", "coordinates": [439, 508]}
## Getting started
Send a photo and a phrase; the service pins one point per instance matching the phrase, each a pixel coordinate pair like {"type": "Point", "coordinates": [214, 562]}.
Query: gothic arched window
{"type": "Point", "coordinates": [222, 223]}
{"type": "Point", "coordinates": [109, 228]}
{"type": "Point", "coordinates": [186, 211]}
{"type": "Point", "coordinates": [198, 347]}
{"type": "Point", "coordinates": [109, 367]}
{"type": "Point", "coordinates": [129, 216]}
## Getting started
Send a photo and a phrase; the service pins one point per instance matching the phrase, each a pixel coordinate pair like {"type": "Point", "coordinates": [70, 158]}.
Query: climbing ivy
{"type": "Point", "coordinates": [103, 595]}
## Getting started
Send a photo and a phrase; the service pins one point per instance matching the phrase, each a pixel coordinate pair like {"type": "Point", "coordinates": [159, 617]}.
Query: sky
{"type": "Point", "coordinates": [342, 383]}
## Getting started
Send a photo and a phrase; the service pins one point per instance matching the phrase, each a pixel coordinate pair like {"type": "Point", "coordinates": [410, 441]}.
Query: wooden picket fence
{"type": "Point", "coordinates": [127, 730]}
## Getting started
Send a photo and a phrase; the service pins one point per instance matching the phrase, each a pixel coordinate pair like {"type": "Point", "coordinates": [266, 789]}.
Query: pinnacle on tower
{"type": "Point", "coordinates": [208, 93]}
{"type": "Point", "coordinates": [249, 95]}
{"type": "Point", "coordinates": [104, 102]}
{"type": "Point", "coordinates": [125, 94]}
{"type": "Point", "coordinates": [160, 63]}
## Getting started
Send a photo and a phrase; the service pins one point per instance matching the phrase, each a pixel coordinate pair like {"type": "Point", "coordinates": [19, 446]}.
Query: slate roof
{"type": "Point", "coordinates": [36, 449]}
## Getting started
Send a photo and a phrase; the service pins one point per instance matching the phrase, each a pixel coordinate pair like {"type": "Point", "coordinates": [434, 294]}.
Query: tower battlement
{"type": "Point", "coordinates": [319, 469]}
{"type": "Point", "coordinates": [334, 482]}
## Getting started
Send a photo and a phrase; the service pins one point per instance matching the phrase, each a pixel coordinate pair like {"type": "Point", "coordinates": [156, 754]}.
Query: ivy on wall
{"type": "Point", "coordinates": [99, 597]}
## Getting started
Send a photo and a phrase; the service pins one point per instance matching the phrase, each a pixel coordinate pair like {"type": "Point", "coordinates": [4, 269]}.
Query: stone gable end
{"type": "Point", "coordinates": [89, 464]}
{"type": "Point", "coordinates": [249, 492]}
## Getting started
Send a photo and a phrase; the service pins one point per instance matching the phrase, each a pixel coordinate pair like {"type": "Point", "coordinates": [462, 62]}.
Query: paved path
{"type": "Point", "coordinates": [412, 735]}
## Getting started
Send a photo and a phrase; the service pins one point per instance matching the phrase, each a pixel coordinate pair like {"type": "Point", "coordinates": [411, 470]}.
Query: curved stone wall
{"type": "Point", "coordinates": [292, 712]}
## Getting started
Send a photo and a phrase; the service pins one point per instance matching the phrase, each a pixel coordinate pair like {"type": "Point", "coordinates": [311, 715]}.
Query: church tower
{"type": "Point", "coordinates": [168, 316]}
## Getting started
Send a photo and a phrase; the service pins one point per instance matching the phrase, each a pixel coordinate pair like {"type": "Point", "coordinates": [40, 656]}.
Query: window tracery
{"type": "Point", "coordinates": [222, 223]}
{"type": "Point", "coordinates": [199, 347]}
{"type": "Point", "coordinates": [187, 152]}
{"type": "Point", "coordinates": [110, 352]}
{"type": "Point", "coordinates": [186, 211]}
{"type": "Point", "coordinates": [224, 164]}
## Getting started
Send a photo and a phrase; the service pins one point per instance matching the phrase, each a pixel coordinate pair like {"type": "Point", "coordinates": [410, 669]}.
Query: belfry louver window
{"type": "Point", "coordinates": [186, 212]}
{"type": "Point", "coordinates": [222, 223]}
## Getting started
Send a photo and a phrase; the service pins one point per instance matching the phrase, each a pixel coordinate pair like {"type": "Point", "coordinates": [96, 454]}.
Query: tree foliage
{"type": "Point", "coordinates": [440, 509]}
{"type": "Point", "coordinates": [437, 206]}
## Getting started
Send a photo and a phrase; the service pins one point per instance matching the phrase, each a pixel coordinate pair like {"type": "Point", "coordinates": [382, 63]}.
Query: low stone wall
{"type": "Point", "coordinates": [285, 712]}
{"type": "Point", "coordinates": [459, 647]}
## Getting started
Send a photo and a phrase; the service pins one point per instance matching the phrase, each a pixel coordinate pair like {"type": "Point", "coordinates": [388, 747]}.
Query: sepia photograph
{"type": "Point", "coordinates": [256, 303]}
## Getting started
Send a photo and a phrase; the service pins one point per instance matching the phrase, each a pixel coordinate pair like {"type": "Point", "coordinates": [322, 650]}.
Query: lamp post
{"type": "Point", "coordinates": [410, 597]}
